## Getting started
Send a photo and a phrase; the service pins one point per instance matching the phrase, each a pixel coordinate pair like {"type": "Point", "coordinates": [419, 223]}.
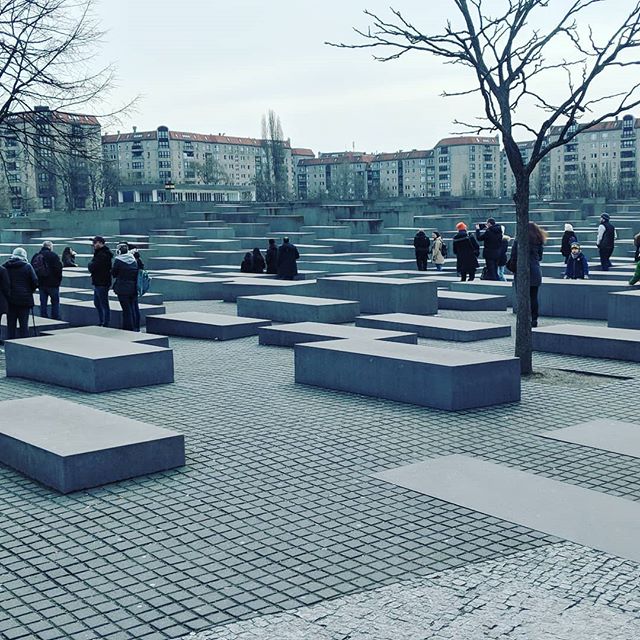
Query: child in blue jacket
{"type": "Point", "coordinates": [577, 266]}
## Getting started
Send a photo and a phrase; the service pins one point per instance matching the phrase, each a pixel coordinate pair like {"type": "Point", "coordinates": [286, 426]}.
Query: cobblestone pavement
{"type": "Point", "coordinates": [549, 593]}
{"type": "Point", "coordinates": [276, 509]}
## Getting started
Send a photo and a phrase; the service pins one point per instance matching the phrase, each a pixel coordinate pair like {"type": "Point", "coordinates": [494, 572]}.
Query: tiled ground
{"type": "Point", "coordinates": [276, 509]}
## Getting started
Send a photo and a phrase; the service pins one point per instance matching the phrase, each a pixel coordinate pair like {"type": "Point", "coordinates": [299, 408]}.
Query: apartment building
{"type": "Point", "coordinates": [52, 160]}
{"type": "Point", "coordinates": [341, 175]}
{"type": "Point", "coordinates": [408, 174]}
{"type": "Point", "coordinates": [156, 157]}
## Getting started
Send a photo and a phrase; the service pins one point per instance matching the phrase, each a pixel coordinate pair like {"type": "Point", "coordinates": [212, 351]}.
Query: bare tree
{"type": "Point", "coordinates": [511, 59]}
{"type": "Point", "coordinates": [272, 180]}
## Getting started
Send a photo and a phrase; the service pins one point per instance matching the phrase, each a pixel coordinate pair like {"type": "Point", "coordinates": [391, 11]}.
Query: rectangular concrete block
{"type": "Point", "coordinates": [383, 295]}
{"type": "Point", "coordinates": [114, 334]}
{"type": "Point", "coordinates": [338, 266]}
{"type": "Point", "coordinates": [462, 301]}
{"type": "Point", "coordinates": [588, 341]}
{"type": "Point", "coordinates": [70, 447]}
{"type": "Point", "coordinates": [292, 334]}
{"type": "Point", "coordinates": [486, 287]}
{"type": "Point", "coordinates": [80, 313]}
{"type": "Point", "coordinates": [188, 287]}
{"type": "Point", "coordinates": [436, 328]}
{"type": "Point", "coordinates": [88, 363]}
{"type": "Point", "coordinates": [42, 325]}
{"type": "Point", "coordinates": [287, 308]}
{"type": "Point", "coordinates": [234, 289]}
{"type": "Point", "coordinates": [440, 378]}
{"type": "Point", "coordinates": [205, 326]}
{"type": "Point", "coordinates": [624, 309]}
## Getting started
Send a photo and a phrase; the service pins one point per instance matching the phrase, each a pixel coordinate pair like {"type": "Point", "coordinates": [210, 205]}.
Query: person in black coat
{"type": "Point", "coordinates": [287, 257]}
{"type": "Point", "coordinates": [421, 245]}
{"type": "Point", "coordinates": [271, 255]}
{"type": "Point", "coordinates": [68, 258]}
{"type": "Point", "coordinates": [258, 263]}
{"type": "Point", "coordinates": [5, 288]}
{"type": "Point", "coordinates": [466, 251]}
{"type": "Point", "coordinates": [22, 284]}
{"type": "Point", "coordinates": [537, 238]}
{"type": "Point", "coordinates": [125, 286]}
{"type": "Point", "coordinates": [246, 266]}
{"type": "Point", "coordinates": [491, 236]}
{"type": "Point", "coordinates": [100, 269]}
{"type": "Point", "coordinates": [606, 241]}
{"type": "Point", "coordinates": [48, 267]}
{"type": "Point", "coordinates": [568, 238]}
{"type": "Point", "coordinates": [577, 266]}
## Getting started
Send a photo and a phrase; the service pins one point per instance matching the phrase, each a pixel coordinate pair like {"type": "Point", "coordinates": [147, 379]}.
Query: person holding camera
{"type": "Point", "coordinates": [490, 234]}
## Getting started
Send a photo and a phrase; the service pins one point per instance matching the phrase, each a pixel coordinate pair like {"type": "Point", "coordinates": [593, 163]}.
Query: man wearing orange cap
{"type": "Point", "coordinates": [466, 250]}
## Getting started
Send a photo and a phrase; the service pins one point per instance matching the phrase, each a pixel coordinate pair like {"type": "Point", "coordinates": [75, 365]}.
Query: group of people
{"type": "Point", "coordinates": [434, 249]}
{"type": "Point", "coordinates": [280, 261]}
{"type": "Point", "coordinates": [20, 279]}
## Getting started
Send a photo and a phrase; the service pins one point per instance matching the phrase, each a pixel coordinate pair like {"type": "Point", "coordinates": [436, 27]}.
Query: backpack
{"type": "Point", "coordinates": [40, 266]}
{"type": "Point", "coordinates": [144, 282]}
{"type": "Point", "coordinates": [443, 249]}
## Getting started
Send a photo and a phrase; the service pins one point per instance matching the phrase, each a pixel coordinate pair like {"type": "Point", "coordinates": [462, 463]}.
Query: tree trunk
{"type": "Point", "coordinates": [523, 302]}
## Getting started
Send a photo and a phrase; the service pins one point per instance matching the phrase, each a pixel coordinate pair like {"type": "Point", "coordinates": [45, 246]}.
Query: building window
{"type": "Point", "coordinates": [46, 203]}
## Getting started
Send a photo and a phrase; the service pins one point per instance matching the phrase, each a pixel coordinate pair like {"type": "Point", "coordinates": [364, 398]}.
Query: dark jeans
{"type": "Point", "coordinates": [54, 294]}
{"type": "Point", "coordinates": [605, 254]}
{"type": "Point", "coordinates": [18, 315]}
{"type": "Point", "coordinates": [533, 295]}
{"type": "Point", "coordinates": [130, 312]}
{"type": "Point", "coordinates": [492, 269]}
{"type": "Point", "coordinates": [471, 274]}
{"type": "Point", "coordinates": [422, 260]}
{"type": "Point", "coordinates": [101, 303]}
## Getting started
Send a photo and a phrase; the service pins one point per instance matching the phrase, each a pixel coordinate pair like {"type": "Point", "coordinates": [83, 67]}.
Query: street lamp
{"type": "Point", "coordinates": [169, 187]}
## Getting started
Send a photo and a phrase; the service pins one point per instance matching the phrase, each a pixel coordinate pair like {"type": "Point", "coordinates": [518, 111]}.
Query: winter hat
{"type": "Point", "coordinates": [568, 227]}
{"type": "Point", "coordinates": [491, 220]}
{"type": "Point", "coordinates": [461, 226]}
{"type": "Point", "coordinates": [606, 216]}
{"type": "Point", "coordinates": [575, 244]}
{"type": "Point", "coordinates": [19, 252]}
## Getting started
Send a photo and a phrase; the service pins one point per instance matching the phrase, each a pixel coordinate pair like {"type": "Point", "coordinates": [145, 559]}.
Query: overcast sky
{"type": "Point", "coordinates": [212, 66]}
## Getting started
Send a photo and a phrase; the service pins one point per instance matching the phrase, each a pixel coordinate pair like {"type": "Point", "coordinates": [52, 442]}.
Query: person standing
{"type": "Point", "coordinates": [48, 268]}
{"type": "Point", "coordinates": [287, 257]}
{"type": "Point", "coordinates": [421, 245]}
{"type": "Point", "coordinates": [125, 286]}
{"type": "Point", "coordinates": [466, 251]}
{"type": "Point", "coordinates": [577, 266]}
{"type": "Point", "coordinates": [22, 285]}
{"type": "Point", "coordinates": [502, 260]}
{"type": "Point", "coordinates": [606, 241]}
{"type": "Point", "coordinates": [257, 261]}
{"type": "Point", "coordinates": [437, 252]}
{"type": "Point", "coordinates": [100, 269]}
{"type": "Point", "coordinates": [271, 255]}
{"type": "Point", "coordinates": [537, 238]}
{"type": "Point", "coordinates": [490, 234]}
{"type": "Point", "coordinates": [5, 288]}
{"type": "Point", "coordinates": [568, 238]}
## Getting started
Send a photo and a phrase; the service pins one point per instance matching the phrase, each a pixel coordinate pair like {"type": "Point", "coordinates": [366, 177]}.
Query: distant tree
{"type": "Point", "coordinates": [510, 54]}
{"type": "Point", "coordinates": [272, 181]}
{"type": "Point", "coordinates": [211, 171]}
{"type": "Point", "coordinates": [467, 190]}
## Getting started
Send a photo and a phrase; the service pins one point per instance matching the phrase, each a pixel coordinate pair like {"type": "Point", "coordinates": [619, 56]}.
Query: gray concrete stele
{"type": "Point", "coordinates": [286, 308]}
{"type": "Point", "coordinates": [449, 379]}
{"type": "Point", "coordinates": [291, 334]}
{"type": "Point", "coordinates": [70, 447]}
{"type": "Point", "coordinates": [88, 363]}
{"type": "Point", "coordinates": [205, 326]}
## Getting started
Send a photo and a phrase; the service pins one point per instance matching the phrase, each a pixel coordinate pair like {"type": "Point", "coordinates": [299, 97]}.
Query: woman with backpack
{"type": "Point", "coordinates": [568, 238]}
{"type": "Point", "coordinates": [438, 250]}
{"type": "Point", "coordinates": [125, 286]}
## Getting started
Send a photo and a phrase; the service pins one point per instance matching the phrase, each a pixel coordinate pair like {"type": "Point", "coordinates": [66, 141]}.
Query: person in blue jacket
{"type": "Point", "coordinates": [577, 266]}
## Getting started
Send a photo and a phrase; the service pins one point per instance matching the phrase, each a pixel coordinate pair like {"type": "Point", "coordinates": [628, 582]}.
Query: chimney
{"type": "Point", "coordinates": [135, 129]}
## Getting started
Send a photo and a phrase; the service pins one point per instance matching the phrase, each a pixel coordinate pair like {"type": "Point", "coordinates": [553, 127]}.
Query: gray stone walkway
{"type": "Point", "coordinates": [276, 509]}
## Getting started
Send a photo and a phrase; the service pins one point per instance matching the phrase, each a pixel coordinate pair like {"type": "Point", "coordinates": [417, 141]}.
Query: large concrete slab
{"type": "Point", "coordinates": [80, 313]}
{"type": "Point", "coordinates": [291, 334]}
{"type": "Point", "coordinates": [439, 378]}
{"type": "Point", "coordinates": [232, 290]}
{"type": "Point", "coordinates": [114, 334]}
{"type": "Point", "coordinates": [436, 328]}
{"type": "Point", "coordinates": [286, 308]}
{"type": "Point", "coordinates": [88, 363]}
{"type": "Point", "coordinates": [205, 326]}
{"type": "Point", "coordinates": [462, 301]}
{"type": "Point", "coordinates": [608, 435]}
{"type": "Point", "coordinates": [587, 340]}
{"type": "Point", "coordinates": [180, 287]}
{"type": "Point", "coordinates": [584, 516]}
{"type": "Point", "coordinates": [69, 447]}
{"type": "Point", "coordinates": [624, 310]}
{"type": "Point", "coordinates": [485, 287]}
{"type": "Point", "coordinates": [383, 295]}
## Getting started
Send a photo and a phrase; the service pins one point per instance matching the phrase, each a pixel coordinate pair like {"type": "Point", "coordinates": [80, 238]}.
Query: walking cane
{"type": "Point", "coordinates": [35, 329]}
